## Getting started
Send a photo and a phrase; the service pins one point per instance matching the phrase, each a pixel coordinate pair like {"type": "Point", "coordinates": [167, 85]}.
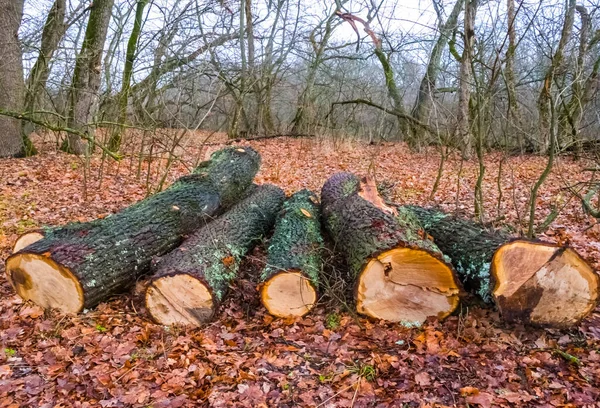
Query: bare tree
{"type": "Point", "coordinates": [86, 78]}
{"type": "Point", "coordinates": [555, 64]}
{"type": "Point", "coordinates": [11, 77]}
{"type": "Point", "coordinates": [114, 144]}
{"type": "Point", "coordinates": [427, 87]}
{"type": "Point", "coordinates": [466, 79]}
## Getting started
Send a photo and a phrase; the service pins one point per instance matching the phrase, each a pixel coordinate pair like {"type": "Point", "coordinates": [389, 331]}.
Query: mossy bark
{"type": "Point", "coordinates": [107, 255]}
{"type": "Point", "coordinates": [362, 230]}
{"type": "Point", "coordinates": [468, 244]}
{"type": "Point", "coordinates": [213, 253]}
{"type": "Point", "coordinates": [297, 243]}
{"type": "Point", "coordinates": [86, 76]}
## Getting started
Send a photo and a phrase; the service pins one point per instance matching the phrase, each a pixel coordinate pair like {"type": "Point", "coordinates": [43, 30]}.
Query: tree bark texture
{"type": "Point", "coordinates": [294, 261]}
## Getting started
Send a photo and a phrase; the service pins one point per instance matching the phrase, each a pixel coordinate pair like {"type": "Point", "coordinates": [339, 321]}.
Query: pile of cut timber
{"type": "Point", "coordinates": [405, 263]}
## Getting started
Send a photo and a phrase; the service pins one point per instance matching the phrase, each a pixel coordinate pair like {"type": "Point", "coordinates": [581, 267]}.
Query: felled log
{"type": "Point", "coordinates": [191, 281]}
{"type": "Point", "coordinates": [81, 264]}
{"type": "Point", "coordinates": [291, 277]}
{"type": "Point", "coordinates": [398, 273]}
{"type": "Point", "coordinates": [530, 281]}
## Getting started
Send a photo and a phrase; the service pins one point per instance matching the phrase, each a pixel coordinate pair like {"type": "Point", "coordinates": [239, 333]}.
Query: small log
{"type": "Point", "coordinates": [291, 278]}
{"type": "Point", "coordinates": [399, 274]}
{"type": "Point", "coordinates": [27, 239]}
{"type": "Point", "coordinates": [530, 281]}
{"type": "Point", "coordinates": [82, 264]}
{"type": "Point", "coordinates": [191, 281]}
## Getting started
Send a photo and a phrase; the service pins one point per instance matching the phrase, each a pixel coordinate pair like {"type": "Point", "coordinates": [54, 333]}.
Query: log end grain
{"type": "Point", "coordinates": [27, 239]}
{"type": "Point", "coordinates": [543, 284]}
{"type": "Point", "coordinates": [179, 299]}
{"type": "Point", "coordinates": [45, 282]}
{"type": "Point", "coordinates": [407, 285]}
{"type": "Point", "coordinates": [288, 294]}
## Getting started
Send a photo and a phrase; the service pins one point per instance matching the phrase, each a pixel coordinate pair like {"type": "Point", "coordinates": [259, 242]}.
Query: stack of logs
{"type": "Point", "coordinates": [406, 263]}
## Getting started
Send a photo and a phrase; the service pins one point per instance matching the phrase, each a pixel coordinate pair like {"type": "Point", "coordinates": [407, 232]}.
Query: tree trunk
{"type": "Point", "coordinates": [427, 88]}
{"type": "Point", "coordinates": [192, 281]}
{"type": "Point", "coordinates": [114, 143]}
{"type": "Point", "coordinates": [546, 91]}
{"type": "Point", "coordinates": [399, 275]}
{"type": "Point", "coordinates": [530, 281]}
{"type": "Point", "coordinates": [294, 263]}
{"type": "Point", "coordinates": [11, 78]}
{"type": "Point", "coordinates": [465, 79]}
{"type": "Point", "coordinates": [86, 77]}
{"type": "Point", "coordinates": [82, 264]}
{"type": "Point", "coordinates": [513, 117]}
{"type": "Point", "coordinates": [54, 30]}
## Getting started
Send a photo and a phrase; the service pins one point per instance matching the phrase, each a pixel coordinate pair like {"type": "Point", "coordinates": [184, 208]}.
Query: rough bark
{"type": "Point", "coordinates": [100, 258]}
{"type": "Point", "coordinates": [208, 261]}
{"type": "Point", "coordinates": [86, 77]}
{"type": "Point", "coordinates": [294, 262]}
{"type": "Point", "coordinates": [415, 280]}
{"type": "Point", "coordinates": [530, 281]}
{"type": "Point", "coordinates": [11, 78]}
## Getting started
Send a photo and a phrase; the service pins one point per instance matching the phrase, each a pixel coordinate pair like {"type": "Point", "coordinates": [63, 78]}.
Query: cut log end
{"type": "Point", "coordinates": [407, 285]}
{"type": "Point", "coordinates": [48, 284]}
{"type": "Point", "coordinates": [27, 239]}
{"type": "Point", "coordinates": [543, 284]}
{"type": "Point", "coordinates": [288, 294]}
{"type": "Point", "coordinates": [179, 299]}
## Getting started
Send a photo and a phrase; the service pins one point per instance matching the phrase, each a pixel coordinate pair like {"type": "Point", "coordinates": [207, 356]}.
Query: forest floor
{"type": "Point", "coordinates": [114, 356]}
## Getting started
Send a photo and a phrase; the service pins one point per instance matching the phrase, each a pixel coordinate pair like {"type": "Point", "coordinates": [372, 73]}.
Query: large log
{"type": "Point", "coordinates": [530, 281]}
{"type": "Point", "coordinates": [294, 260]}
{"type": "Point", "coordinates": [399, 274]}
{"type": "Point", "coordinates": [191, 281]}
{"type": "Point", "coordinates": [81, 264]}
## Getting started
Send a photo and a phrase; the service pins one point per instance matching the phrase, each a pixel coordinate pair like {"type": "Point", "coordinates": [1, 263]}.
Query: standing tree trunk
{"type": "Point", "coordinates": [399, 274]}
{"type": "Point", "coordinates": [54, 30]}
{"type": "Point", "coordinates": [572, 111]}
{"type": "Point", "coordinates": [530, 281]}
{"type": "Point", "coordinates": [291, 276]}
{"type": "Point", "coordinates": [11, 78]}
{"type": "Point", "coordinates": [86, 77]}
{"type": "Point", "coordinates": [465, 78]}
{"type": "Point", "coordinates": [513, 117]}
{"type": "Point", "coordinates": [427, 88]}
{"type": "Point", "coordinates": [114, 144]}
{"type": "Point", "coordinates": [192, 281]}
{"type": "Point", "coordinates": [546, 91]}
{"type": "Point", "coordinates": [82, 264]}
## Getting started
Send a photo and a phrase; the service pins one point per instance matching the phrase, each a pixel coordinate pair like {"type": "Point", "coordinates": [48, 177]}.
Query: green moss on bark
{"type": "Point", "coordinates": [297, 243]}
{"type": "Point", "coordinates": [469, 246]}
{"type": "Point", "coordinates": [213, 253]}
